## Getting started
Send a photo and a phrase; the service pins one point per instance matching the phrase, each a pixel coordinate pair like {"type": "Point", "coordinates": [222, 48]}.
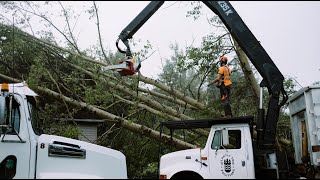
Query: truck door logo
{"type": "Point", "coordinates": [227, 165]}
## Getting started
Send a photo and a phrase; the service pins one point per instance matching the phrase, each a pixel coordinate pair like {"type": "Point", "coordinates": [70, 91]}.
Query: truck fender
{"type": "Point", "coordinates": [180, 167]}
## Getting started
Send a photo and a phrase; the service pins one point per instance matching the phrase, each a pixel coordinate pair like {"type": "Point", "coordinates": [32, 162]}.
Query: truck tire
{"type": "Point", "coordinates": [186, 175]}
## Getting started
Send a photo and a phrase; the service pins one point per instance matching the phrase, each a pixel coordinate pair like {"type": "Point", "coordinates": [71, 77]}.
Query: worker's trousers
{"type": "Point", "coordinates": [225, 92]}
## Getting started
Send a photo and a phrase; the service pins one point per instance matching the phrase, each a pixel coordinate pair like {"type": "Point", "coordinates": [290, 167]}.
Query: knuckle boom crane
{"type": "Point", "coordinates": [272, 78]}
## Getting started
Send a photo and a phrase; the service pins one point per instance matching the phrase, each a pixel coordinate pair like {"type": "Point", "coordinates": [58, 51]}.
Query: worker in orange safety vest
{"type": "Point", "coordinates": [224, 84]}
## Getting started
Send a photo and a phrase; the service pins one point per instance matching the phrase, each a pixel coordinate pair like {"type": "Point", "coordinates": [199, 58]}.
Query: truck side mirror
{"type": "Point", "coordinates": [225, 137]}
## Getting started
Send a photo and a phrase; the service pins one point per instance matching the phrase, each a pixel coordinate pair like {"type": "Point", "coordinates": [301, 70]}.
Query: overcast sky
{"type": "Point", "coordinates": [288, 31]}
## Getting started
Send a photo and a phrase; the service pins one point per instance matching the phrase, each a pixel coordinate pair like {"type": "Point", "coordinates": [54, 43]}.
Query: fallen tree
{"type": "Point", "coordinates": [137, 128]}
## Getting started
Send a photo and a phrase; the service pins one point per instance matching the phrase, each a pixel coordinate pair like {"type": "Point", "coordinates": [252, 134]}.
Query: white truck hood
{"type": "Point", "coordinates": [60, 157]}
{"type": "Point", "coordinates": [193, 153]}
{"type": "Point", "coordinates": [180, 160]}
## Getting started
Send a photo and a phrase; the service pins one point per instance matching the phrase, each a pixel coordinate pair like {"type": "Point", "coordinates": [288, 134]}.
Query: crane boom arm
{"type": "Point", "coordinates": [272, 77]}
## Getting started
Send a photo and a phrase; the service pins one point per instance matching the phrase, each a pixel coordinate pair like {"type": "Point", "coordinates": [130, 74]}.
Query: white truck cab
{"type": "Point", "coordinates": [27, 155]}
{"type": "Point", "coordinates": [228, 153]}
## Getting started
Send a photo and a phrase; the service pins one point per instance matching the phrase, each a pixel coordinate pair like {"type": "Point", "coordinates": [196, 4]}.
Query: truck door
{"type": "Point", "coordinates": [14, 152]}
{"type": "Point", "coordinates": [229, 161]}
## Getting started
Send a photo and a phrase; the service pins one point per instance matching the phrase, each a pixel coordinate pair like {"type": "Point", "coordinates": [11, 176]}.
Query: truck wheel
{"type": "Point", "coordinates": [186, 175]}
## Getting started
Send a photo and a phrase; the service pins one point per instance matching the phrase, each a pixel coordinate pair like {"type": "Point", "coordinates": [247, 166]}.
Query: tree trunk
{"type": "Point", "coordinates": [154, 104]}
{"type": "Point", "coordinates": [248, 73]}
{"type": "Point", "coordinates": [175, 93]}
{"type": "Point", "coordinates": [159, 95]}
{"type": "Point", "coordinates": [137, 128]}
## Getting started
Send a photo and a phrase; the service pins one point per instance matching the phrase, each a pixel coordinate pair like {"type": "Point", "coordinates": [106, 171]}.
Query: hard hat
{"type": "Point", "coordinates": [223, 59]}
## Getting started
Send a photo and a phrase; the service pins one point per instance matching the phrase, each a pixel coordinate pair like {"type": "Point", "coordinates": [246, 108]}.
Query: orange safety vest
{"type": "Point", "coordinates": [225, 72]}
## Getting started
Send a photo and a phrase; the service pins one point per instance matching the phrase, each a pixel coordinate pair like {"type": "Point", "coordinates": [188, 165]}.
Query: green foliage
{"type": "Point", "coordinates": [37, 73]}
{"type": "Point", "coordinates": [290, 85]}
{"type": "Point", "coordinates": [188, 70]}
{"type": "Point", "coordinates": [66, 130]}
{"type": "Point", "coordinates": [141, 153]}
{"type": "Point", "coordinates": [50, 122]}
{"type": "Point", "coordinates": [196, 11]}
{"type": "Point", "coordinates": [150, 170]}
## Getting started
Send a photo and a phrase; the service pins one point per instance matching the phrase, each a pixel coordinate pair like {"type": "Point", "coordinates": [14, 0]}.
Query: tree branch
{"type": "Point", "coordinates": [137, 128]}
{"type": "Point", "coordinates": [99, 33]}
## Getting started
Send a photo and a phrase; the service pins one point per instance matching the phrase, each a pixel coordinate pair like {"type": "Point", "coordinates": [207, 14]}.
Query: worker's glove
{"type": "Point", "coordinates": [218, 84]}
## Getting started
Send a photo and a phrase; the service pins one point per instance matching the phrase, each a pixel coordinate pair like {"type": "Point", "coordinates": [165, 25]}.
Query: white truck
{"type": "Point", "coordinates": [27, 155]}
{"type": "Point", "coordinates": [304, 111]}
{"type": "Point", "coordinates": [228, 152]}
{"type": "Point", "coordinates": [221, 158]}
{"type": "Point", "coordinates": [231, 153]}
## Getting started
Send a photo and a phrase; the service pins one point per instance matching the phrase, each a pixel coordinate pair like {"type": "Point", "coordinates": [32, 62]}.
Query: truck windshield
{"type": "Point", "coordinates": [5, 114]}
{"type": "Point", "coordinates": [33, 114]}
{"type": "Point", "coordinates": [216, 140]}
